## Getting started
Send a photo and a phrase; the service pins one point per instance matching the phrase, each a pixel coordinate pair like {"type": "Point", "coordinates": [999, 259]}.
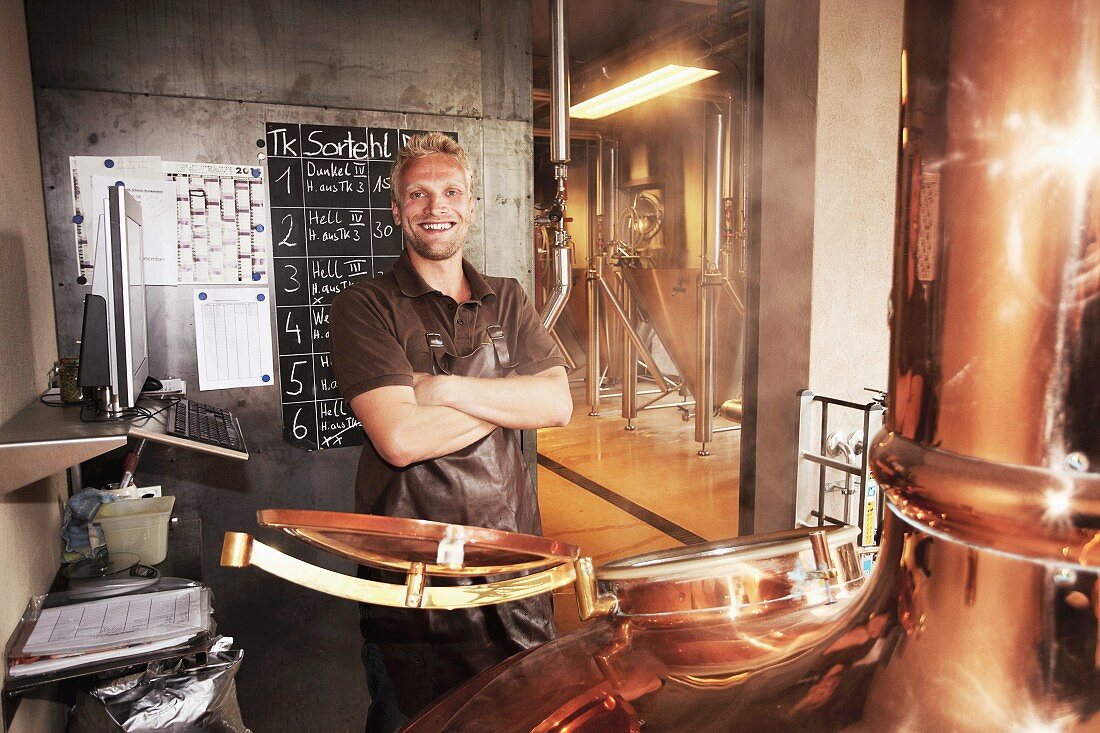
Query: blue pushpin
{"type": "Point", "coordinates": [266, 378]}
{"type": "Point", "coordinates": [78, 219]}
{"type": "Point", "coordinates": [202, 296]}
{"type": "Point", "coordinates": [261, 297]}
{"type": "Point", "coordinates": [259, 227]}
{"type": "Point", "coordinates": [255, 172]}
{"type": "Point", "coordinates": [256, 277]}
{"type": "Point", "coordinates": [108, 163]}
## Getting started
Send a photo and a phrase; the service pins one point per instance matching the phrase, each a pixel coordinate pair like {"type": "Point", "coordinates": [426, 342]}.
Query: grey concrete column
{"type": "Point", "coordinates": [779, 264]}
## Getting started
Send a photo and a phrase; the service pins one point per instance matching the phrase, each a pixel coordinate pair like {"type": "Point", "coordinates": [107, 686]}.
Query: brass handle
{"type": "Point", "coordinates": [241, 550]}
{"type": "Point", "coordinates": [589, 603]}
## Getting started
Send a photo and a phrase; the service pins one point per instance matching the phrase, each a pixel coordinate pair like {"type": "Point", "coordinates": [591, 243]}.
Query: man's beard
{"type": "Point", "coordinates": [436, 252]}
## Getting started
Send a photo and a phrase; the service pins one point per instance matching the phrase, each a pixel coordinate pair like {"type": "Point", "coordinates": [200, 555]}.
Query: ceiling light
{"type": "Point", "coordinates": [654, 84]}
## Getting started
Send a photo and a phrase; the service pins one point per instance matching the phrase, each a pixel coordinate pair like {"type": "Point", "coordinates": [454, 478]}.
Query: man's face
{"type": "Point", "coordinates": [434, 207]}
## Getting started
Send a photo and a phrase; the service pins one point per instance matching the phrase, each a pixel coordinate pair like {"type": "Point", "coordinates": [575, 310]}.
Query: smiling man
{"type": "Point", "coordinates": [443, 366]}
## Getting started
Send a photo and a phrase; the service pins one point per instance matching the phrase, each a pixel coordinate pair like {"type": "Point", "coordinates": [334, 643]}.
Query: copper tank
{"type": "Point", "coordinates": [982, 611]}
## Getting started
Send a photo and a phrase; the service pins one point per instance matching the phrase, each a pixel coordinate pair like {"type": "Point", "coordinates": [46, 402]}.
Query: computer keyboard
{"type": "Point", "coordinates": [205, 424]}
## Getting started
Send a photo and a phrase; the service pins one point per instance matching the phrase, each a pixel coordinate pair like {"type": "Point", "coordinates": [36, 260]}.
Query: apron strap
{"type": "Point", "coordinates": [500, 345]}
{"type": "Point", "coordinates": [496, 339]}
{"type": "Point", "coordinates": [435, 345]}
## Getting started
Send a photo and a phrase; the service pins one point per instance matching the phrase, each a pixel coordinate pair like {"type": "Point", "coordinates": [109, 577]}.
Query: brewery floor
{"type": "Point", "coordinates": [616, 493]}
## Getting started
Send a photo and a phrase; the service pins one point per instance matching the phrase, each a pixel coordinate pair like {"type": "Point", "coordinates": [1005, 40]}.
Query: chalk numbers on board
{"type": "Point", "coordinates": [330, 211]}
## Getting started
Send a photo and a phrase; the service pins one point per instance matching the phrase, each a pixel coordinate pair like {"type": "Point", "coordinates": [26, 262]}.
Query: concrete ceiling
{"type": "Point", "coordinates": [598, 28]}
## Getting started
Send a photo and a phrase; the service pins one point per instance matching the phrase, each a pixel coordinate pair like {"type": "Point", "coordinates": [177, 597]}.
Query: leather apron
{"type": "Point", "coordinates": [486, 484]}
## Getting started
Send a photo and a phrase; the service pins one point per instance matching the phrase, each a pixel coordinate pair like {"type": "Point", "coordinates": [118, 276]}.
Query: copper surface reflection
{"type": "Point", "coordinates": [998, 218]}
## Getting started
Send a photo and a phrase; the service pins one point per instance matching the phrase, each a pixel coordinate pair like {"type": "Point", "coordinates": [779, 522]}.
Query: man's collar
{"type": "Point", "coordinates": [412, 284]}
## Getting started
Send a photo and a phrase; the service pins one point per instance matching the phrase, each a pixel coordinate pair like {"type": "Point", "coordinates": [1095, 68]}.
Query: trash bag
{"type": "Point", "coordinates": [195, 693]}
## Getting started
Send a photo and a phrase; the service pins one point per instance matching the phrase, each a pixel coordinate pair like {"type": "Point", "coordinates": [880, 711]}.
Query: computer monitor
{"type": "Point", "coordinates": [114, 354]}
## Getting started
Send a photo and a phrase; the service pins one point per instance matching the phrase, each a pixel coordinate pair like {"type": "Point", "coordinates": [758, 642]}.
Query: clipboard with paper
{"type": "Point", "coordinates": [57, 640]}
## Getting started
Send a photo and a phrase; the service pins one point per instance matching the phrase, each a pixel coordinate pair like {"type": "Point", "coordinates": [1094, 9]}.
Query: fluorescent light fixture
{"type": "Point", "coordinates": [654, 84]}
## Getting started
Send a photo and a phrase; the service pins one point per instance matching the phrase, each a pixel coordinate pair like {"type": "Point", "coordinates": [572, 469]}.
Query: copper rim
{"type": "Point", "coordinates": [1026, 511]}
{"type": "Point", "coordinates": [705, 559]}
{"type": "Point", "coordinates": [521, 551]}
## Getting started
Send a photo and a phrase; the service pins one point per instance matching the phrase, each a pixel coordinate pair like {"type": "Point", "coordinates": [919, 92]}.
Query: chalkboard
{"type": "Point", "coordinates": [329, 191]}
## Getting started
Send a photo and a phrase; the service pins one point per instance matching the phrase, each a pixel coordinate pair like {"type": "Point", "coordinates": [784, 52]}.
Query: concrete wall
{"type": "Point", "coordinates": [857, 129]}
{"type": "Point", "coordinates": [30, 517]}
{"type": "Point", "coordinates": [783, 265]}
{"type": "Point", "coordinates": [196, 81]}
{"type": "Point", "coordinates": [831, 75]}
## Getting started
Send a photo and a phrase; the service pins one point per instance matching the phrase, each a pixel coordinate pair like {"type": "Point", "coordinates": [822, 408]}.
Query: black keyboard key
{"type": "Point", "coordinates": [203, 423]}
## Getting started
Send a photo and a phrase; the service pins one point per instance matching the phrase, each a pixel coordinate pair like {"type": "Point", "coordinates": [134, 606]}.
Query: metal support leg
{"type": "Point", "coordinates": [630, 362]}
{"type": "Point", "coordinates": [704, 401]}
{"type": "Point", "coordinates": [570, 363]}
{"type": "Point", "coordinates": [632, 337]}
{"type": "Point", "coordinates": [593, 373]}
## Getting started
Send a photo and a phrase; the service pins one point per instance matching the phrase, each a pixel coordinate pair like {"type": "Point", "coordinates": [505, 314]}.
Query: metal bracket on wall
{"type": "Point", "coordinates": [822, 449]}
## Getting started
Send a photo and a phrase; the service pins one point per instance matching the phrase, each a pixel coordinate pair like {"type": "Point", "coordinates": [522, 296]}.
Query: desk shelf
{"type": "Point", "coordinates": [42, 440]}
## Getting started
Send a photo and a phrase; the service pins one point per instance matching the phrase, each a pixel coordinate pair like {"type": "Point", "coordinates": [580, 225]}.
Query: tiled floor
{"type": "Point", "coordinates": [654, 467]}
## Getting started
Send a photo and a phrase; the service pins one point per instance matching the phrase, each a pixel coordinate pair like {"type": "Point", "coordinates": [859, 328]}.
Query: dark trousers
{"type": "Point", "coordinates": [383, 716]}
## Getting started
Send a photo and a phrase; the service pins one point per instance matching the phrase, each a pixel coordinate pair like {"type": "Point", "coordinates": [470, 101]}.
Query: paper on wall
{"type": "Point", "coordinates": [158, 216]}
{"type": "Point", "coordinates": [222, 226]}
{"type": "Point", "coordinates": [233, 338]}
{"type": "Point", "coordinates": [81, 170]}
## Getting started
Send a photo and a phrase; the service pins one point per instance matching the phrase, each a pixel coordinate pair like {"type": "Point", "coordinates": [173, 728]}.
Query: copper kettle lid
{"type": "Point", "coordinates": [395, 543]}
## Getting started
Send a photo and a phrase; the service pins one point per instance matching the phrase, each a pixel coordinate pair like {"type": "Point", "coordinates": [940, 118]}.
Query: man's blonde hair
{"type": "Point", "coordinates": [422, 145]}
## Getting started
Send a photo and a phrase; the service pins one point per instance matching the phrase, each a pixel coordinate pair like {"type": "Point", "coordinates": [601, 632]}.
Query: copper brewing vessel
{"type": "Point", "coordinates": [982, 611]}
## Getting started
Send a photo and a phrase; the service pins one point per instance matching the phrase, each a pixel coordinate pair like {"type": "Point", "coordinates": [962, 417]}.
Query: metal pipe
{"type": "Point", "coordinates": [599, 187]}
{"type": "Point", "coordinates": [727, 287]}
{"type": "Point", "coordinates": [731, 410]}
{"type": "Point", "coordinates": [562, 273]}
{"type": "Point", "coordinates": [559, 83]}
{"type": "Point", "coordinates": [613, 337]}
{"type": "Point", "coordinates": [710, 277]}
{"type": "Point", "coordinates": [561, 250]}
{"type": "Point", "coordinates": [631, 348]}
{"type": "Point", "coordinates": [715, 180]}
{"type": "Point", "coordinates": [574, 133]}
{"type": "Point", "coordinates": [651, 406]}
{"type": "Point", "coordinates": [1004, 167]}
{"type": "Point", "coordinates": [570, 362]}
{"type": "Point", "coordinates": [592, 287]}
{"type": "Point", "coordinates": [613, 191]}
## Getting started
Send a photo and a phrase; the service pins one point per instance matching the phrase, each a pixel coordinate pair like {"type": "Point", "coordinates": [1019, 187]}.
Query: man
{"type": "Point", "coordinates": [443, 367]}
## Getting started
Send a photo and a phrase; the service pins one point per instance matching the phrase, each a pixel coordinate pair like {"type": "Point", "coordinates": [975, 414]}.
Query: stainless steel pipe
{"type": "Point", "coordinates": [559, 83]}
{"type": "Point", "coordinates": [562, 277]}
{"type": "Point", "coordinates": [711, 278]}
{"type": "Point", "coordinates": [561, 249]}
{"type": "Point", "coordinates": [593, 371]}
{"type": "Point", "coordinates": [632, 346]}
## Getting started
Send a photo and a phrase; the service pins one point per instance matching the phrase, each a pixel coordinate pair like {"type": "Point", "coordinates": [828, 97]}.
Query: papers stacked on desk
{"type": "Point", "coordinates": [64, 637]}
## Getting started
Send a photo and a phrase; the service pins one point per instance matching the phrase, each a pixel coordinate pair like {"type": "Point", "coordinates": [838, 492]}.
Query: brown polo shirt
{"type": "Point", "coordinates": [378, 330]}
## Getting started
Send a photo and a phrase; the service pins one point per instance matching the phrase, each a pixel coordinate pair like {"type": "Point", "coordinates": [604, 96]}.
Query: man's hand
{"type": "Point", "coordinates": [429, 388]}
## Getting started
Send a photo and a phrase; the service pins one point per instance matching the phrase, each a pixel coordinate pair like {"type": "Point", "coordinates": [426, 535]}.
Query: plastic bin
{"type": "Point", "coordinates": [139, 526]}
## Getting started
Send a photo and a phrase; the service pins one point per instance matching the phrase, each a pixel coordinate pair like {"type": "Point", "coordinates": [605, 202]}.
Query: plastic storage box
{"type": "Point", "coordinates": [139, 526]}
